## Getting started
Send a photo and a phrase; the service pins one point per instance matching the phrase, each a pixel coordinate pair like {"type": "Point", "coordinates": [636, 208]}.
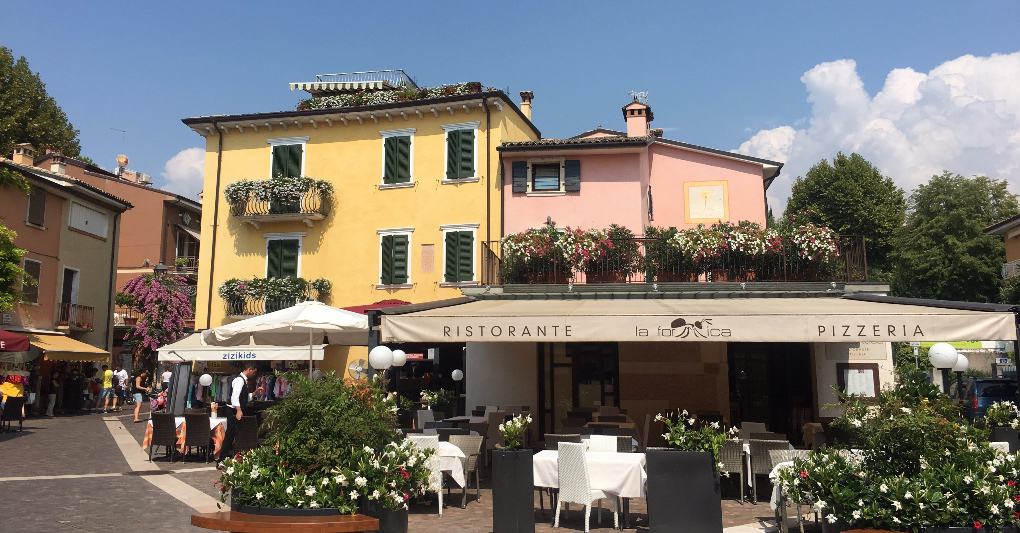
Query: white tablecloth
{"type": "Point", "coordinates": [621, 474]}
{"type": "Point", "coordinates": [213, 422]}
{"type": "Point", "coordinates": [451, 460]}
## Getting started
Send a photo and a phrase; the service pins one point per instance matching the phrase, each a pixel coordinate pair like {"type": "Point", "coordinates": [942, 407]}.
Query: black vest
{"type": "Point", "coordinates": [242, 399]}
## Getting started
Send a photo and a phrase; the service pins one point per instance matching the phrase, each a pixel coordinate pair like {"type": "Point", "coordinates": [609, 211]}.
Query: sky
{"type": "Point", "coordinates": [916, 87]}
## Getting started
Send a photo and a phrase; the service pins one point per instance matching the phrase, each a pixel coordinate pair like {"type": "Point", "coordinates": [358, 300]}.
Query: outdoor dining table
{"type": "Point", "coordinates": [467, 419]}
{"type": "Point", "coordinates": [617, 474]}
{"type": "Point", "coordinates": [621, 425]}
{"type": "Point", "coordinates": [451, 460]}
{"type": "Point", "coordinates": [217, 428]}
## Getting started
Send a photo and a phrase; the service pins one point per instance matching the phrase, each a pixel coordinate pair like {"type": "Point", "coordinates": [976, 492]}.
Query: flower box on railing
{"type": "Point", "coordinates": [280, 199]}
{"type": "Point", "coordinates": [259, 296]}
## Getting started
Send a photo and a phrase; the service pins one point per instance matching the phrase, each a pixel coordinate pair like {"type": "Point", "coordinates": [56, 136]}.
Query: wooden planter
{"type": "Point", "coordinates": [513, 492]}
{"type": "Point", "coordinates": [389, 521]}
{"type": "Point", "coordinates": [281, 511]}
{"type": "Point", "coordinates": [1005, 435]}
{"type": "Point", "coordinates": [130, 320]}
{"type": "Point", "coordinates": [683, 492]}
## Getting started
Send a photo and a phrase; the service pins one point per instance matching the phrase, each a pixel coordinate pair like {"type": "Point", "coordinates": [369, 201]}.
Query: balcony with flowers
{"type": "Point", "coordinates": [280, 199]}
{"type": "Point", "coordinates": [258, 296]}
{"type": "Point", "coordinates": [742, 252]}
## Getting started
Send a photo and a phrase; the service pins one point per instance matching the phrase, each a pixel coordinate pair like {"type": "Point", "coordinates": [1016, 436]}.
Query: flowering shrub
{"type": "Point", "coordinates": [275, 289]}
{"type": "Point", "coordinates": [435, 398]}
{"type": "Point", "coordinates": [622, 253]}
{"type": "Point", "coordinates": [913, 464]}
{"type": "Point", "coordinates": [393, 475]}
{"type": "Point", "coordinates": [686, 433]}
{"type": "Point", "coordinates": [745, 239]}
{"type": "Point", "coordinates": [513, 431]}
{"type": "Point", "coordinates": [1002, 415]}
{"type": "Point", "coordinates": [362, 98]}
{"type": "Point", "coordinates": [816, 243]}
{"type": "Point", "coordinates": [584, 249]}
{"type": "Point", "coordinates": [284, 190]}
{"type": "Point", "coordinates": [261, 478]}
{"type": "Point", "coordinates": [164, 307]}
{"type": "Point", "coordinates": [702, 245]}
{"type": "Point", "coordinates": [535, 249]}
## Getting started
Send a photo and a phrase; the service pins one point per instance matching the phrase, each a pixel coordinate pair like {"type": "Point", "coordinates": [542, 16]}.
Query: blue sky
{"type": "Point", "coordinates": [728, 75]}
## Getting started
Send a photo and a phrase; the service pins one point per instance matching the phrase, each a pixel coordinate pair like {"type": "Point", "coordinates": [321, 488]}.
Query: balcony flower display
{"type": "Point", "coordinates": [280, 194]}
{"type": "Point", "coordinates": [815, 243]}
{"type": "Point", "coordinates": [621, 255]}
{"type": "Point", "coordinates": [533, 256]}
{"type": "Point", "coordinates": [584, 249]}
{"type": "Point", "coordinates": [361, 98]}
{"type": "Point", "coordinates": [272, 294]}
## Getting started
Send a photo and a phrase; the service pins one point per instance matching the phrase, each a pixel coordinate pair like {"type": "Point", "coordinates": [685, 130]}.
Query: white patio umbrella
{"type": "Point", "coordinates": [305, 323]}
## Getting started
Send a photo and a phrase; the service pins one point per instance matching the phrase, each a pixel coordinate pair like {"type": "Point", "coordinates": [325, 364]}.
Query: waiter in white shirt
{"type": "Point", "coordinates": [240, 395]}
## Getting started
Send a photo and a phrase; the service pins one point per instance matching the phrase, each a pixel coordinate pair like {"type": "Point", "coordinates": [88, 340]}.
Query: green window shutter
{"type": "Point", "coordinates": [452, 155]}
{"type": "Point", "coordinates": [465, 256]}
{"type": "Point", "coordinates": [572, 175]}
{"type": "Point", "coordinates": [520, 176]}
{"type": "Point", "coordinates": [390, 160]}
{"type": "Point", "coordinates": [386, 262]}
{"type": "Point", "coordinates": [452, 246]}
{"type": "Point", "coordinates": [400, 263]}
{"type": "Point", "coordinates": [282, 258]}
{"type": "Point", "coordinates": [466, 168]}
{"type": "Point", "coordinates": [397, 160]}
{"type": "Point", "coordinates": [287, 160]}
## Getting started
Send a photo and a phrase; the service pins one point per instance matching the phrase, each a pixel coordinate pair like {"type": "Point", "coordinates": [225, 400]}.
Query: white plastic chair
{"type": "Point", "coordinates": [575, 484]}
{"type": "Point", "coordinates": [431, 442]}
{"type": "Point", "coordinates": [602, 443]}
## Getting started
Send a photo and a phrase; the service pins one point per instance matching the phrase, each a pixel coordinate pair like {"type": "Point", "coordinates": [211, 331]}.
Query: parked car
{"type": "Point", "coordinates": [983, 392]}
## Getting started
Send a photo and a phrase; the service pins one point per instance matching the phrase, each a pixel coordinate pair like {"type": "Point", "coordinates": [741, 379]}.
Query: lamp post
{"type": "Point", "coordinates": [458, 376]}
{"type": "Point", "coordinates": [380, 358]}
{"type": "Point", "coordinates": [160, 269]}
{"type": "Point", "coordinates": [962, 363]}
{"type": "Point", "coordinates": [943, 357]}
{"type": "Point", "coordinates": [399, 360]}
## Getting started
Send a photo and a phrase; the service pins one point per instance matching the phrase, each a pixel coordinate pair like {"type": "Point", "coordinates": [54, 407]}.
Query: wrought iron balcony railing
{"type": "Point", "coordinates": [76, 317]}
{"type": "Point", "coordinates": [261, 296]}
{"type": "Point", "coordinates": [308, 207]}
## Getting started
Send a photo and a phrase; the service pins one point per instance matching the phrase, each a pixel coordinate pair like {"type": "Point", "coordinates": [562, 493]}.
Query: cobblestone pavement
{"type": "Point", "coordinates": [98, 491]}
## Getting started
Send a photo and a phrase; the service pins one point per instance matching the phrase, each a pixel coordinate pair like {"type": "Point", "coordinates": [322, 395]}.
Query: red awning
{"type": "Point", "coordinates": [378, 305]}
{"type": "Point", "coordinates": [13, 342]}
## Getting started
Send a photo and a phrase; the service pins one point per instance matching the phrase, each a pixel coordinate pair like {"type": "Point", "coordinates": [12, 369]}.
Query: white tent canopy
{"type": "Point", "coordinates": [303, 324]}
{"type": "Point", "coordinates": [192, 348]}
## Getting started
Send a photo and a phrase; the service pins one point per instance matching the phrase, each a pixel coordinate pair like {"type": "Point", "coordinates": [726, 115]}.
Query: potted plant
{"type": "Point", "coordinates": [618, 255]}
{"type": "Point", "coordinates": [683, 478]}
{"type": "Point", "coordinates": [663, 260]}
{"type": "Point", "coordinates": [234, 293]}
{"type": "Point", "coordinates": [702, 247]}
{"type": "Point", "coordinates": [322, 288]}
{"type": "Point", "coordinates": [392, 477]}
{"type": "Point", "coordinates": [534, 256]}
{"type": "Point", "coordinates": [745, 245]}
{"type": "Point", "coordinates": [434, 400]}
{"type": "Point", "coordinates": [127, 303]}
{"type": "Point", "coordinates": [513, 488]}
{"type": "Point", "coordinates": [181, 263]}
{"type": "Point", "coordinates": [1002, 420]}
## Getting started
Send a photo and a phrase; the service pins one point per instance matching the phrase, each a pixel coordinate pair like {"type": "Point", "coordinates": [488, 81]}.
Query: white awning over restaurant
{"type": "Point", "coordinates": [733, 319]}
{"type": "Point", "coordinates": [192, 348]}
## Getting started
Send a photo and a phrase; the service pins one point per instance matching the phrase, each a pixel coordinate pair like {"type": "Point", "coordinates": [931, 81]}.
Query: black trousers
{"type": "Point", "coordinates": [227, 450]}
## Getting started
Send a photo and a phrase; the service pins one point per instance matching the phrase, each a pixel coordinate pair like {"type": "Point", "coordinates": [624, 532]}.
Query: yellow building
{"type": "Point", "coordinates": [415, 194]}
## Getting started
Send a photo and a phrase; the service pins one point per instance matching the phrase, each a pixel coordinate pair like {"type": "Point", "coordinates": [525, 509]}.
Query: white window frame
{"type": "Point", "coordinates": [386, 134]}
{"type": "Point", "coordinates": [447, 128]}
{"type": "Point", "coordinates": [70, 218]}
{"type": "Point", "coordinates": [286, 141]}
{"type": "Point", "coordinates": [561, 161]}
{"type": "Point", "coordinates": [24, 261]}
{"type": "Point", "coordinates": [28, 208]}
{"type": "Point", "coordinates": [298, 235]}
{"type": "Point", "coordinates": [410, 261]}
{"type": "Point", "coordinates": [473, 228]}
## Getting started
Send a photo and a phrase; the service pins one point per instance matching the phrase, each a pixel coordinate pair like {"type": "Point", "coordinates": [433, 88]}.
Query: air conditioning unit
{"type": "Point", "coordinates": [144, 179]}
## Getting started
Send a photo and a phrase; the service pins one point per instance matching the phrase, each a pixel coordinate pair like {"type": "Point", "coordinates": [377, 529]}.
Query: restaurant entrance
{"type": "Point", "coordinates": [771, 383]}
{"type": "Point", "coordinates": [576, 376]}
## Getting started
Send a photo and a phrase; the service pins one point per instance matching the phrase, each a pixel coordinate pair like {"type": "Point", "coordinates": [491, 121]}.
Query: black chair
{"type": "Point", "coordinates": [624, 444]}
{"type": "Point", "coordinates": [12, 412]}
{"type": "Point", "coordinates": [246, 437]}
{"type": "Point", "coordinates": [613, 418]}
{"type": "Point", "coordinates": [444, 433]}
{"type": "Point", "coordinates": [478, 412]}
{"type": "Point", "coordinates": [620, 432]}
{"type": "Point", "coordinates": [197, 434]}
{"type": "Point", "coordinates": [164, 433]}
{"type": "Point", "coordinates": [438, 424]}
{"type": "Point", "coordinates": [553, 440]}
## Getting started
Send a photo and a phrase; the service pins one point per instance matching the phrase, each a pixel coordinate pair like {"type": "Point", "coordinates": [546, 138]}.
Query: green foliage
{"type": "Point", "coordinates": [851, 196]}
{"type": "Point", "coordinates": [262, 478]}
{"type": "Point", "coordinates": [283, 189]}
{"type": "Point", "coordinates": [623, 255]}
{"type": "Point", "coordinates": [685, 432]}
{"type": "Point", "coordinates": [28, 113]}
{"type": "Point", "coordinates": [1010, 292]}
{"type": "Point", "coordinates": [274, 289]}
{"type": "Point", "coordinates": [322, 421]}
{"type": "Point", "coordinates": [1002, 415]}
{"type": "Point", "coordinates": [13, 178]}
{"type": "Point", "coordinates": [942, 251]}
{"type": "Point", "coordinates": [373, 97]}
{"type": "Point", "coordinates": [391, 476]}
{"type": "Point", "coordinates": [11, 272]}
{"type": "Point", "coordinates": [513, 431]}
{"type": "Point", "coordinates": [123, 299]}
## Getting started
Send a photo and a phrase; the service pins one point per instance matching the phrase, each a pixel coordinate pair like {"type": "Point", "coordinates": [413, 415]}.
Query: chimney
{"type": "Point", "coordinates": [24, 154]}
{"type": "Point", "coordinates": [526, 97]}
{"type": "Point", "coordinates": [57, 164]}
{"type": "Point", "coordinates": [638, 116]}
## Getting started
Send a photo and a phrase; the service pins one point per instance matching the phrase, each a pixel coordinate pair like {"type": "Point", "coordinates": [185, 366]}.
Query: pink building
{"type": "Point", "coordinates": [635, 179]}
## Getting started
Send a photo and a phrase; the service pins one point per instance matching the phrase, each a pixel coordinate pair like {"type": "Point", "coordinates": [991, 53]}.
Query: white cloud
{"type": "Point", "coordinates": [963, 116]}
{"type": "Point", "coordinates": [183, 172]}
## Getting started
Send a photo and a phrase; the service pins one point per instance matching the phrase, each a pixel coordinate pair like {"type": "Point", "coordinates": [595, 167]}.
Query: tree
{"type": "Point", "coordinates": [942, 251]}
{"type": "Point", "coordinates": [11, 273]}
{"type": "Point", "coordinates": [28, 113]}
{"type": "Point", "coordinates": [1010, 293]}
{"type": "Point", "coordinates": [164, 308]}
{"type": "Point", "coordinates": [852, 197]}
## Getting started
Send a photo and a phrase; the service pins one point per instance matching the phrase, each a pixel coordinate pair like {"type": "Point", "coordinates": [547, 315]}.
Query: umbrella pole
{"type": "Point", "coordinates": [309, 354]}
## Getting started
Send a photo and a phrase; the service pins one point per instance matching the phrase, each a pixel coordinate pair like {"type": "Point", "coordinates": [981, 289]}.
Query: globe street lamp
{"type": "Point", "coordinates": [399, 360]}
{"type": "Point", "coordinates": [943, 356]}
{"type": "Point", "coordinates": [380, 358]}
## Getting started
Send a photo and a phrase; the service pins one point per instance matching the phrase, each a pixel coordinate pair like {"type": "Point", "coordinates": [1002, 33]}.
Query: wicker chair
{"type": "Point", "coordinates": [761, 463]}
{"type": "Point", "coordinates": [768, 436]}
{"type": "Point", "coordinates": [575, 485]}
{"type": "Point", "coordinates": [13, 408]}
{"type": "Point", "coordinates": [431, 442]}
{"type": "Point", "coordinates": [553, 440]}
{"type": "Point", "coordinates": [746, 428]}
{"type": "Point", "coordinates": [197, 434]}
{"type": "Point", "coordinates": [445, 433]}
{"type": "Point", "coordinates": [437, 424]}
{"type": "Point", "coordinates": [423, 416]}
{"type": "Point", "coordinates": [246, 437]}
{"type": "Point", "coordinates": [732, 458]}
{"type": "Point", "coordinates": [471, 445]}
{"type": "Point", "coordinates": [164, 433]}
{"type": "Point", "coordinates": [602, 443]}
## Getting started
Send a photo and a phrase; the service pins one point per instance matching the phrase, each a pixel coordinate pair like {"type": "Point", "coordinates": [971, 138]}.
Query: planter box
{"type": "Point", "coordinates": [666, 276]}
{"type": "Point", "coordinates": [513, 492]}
{"type": "Point", "coordinates": [1005, 435]}
{"type": "Point", "coordinates": [389, 521]}
{"type": "Point", "coordinates": [555, 277]}
{"type": "Point", "coordinates": [683, 492]}
{"type": "Point", "coordinates": [605, 276]}
{"type": "Point", "coordinates": [281, 511]}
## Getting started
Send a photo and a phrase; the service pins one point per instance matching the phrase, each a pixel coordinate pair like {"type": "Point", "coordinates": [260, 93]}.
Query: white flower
{"type": "Point", "coordinates": [369, 449]}
{"type": "Point", "coordinates": [719, 465]}
{"type": "Point", "coordinates": [325, 481]}
{"type": "Point", "coordinates": [360, 481]}
{"type": "Point", "coordinates": [375, 495]}
{"type": "Point", "coordinates": [908, 495]}
{"type": "Point", "coordinates": [715, 425]}
{"type": "Point", "coordinates": [896, 520]}
{"type": "Point", "coordinates": [883, 488]}
{"type": "Point", "coordinates": [860, 503]}
{"type": "Point", "coordinates": [254, 473]}
{"type": "Point", "coordinates": [856, 514]}
{"type": "Point", "coordinates": [994, 508]}
{"type": "Point", "coordinates": [820, 504]}
{"type": "Point", "coordinates": [658, 417]}
{"type": "Point", "coordinates": [314, 505]}
{"type": "Point", "coordinates": [920, 505]}
{"type": "Point", "coordinates": [968, 480]}
{"type": "Point", "coordinates": [290, 490]}
{"type": "Point", "coordinates": [906, 410]}
{"type": "Point", "coordinates": [690, 421]}
{"type": "Point", "coordinates": [258, 495]}
{"type": "Point", "coordinates": [855, 422]}
{"type": "Point", "coordinates": [897, 505]}
{"type": "Point", "coordinates": [1008, 503]}
{"type": "Point", "coordinates": [412, 460]}
{"type": "Point", "coordinates": [310, 491]}
{"type": "Point", "coordinates": [354, 495]}
{"type": "Point", "coordinates": [831, 518]}
{"type": "Point", "coordinates": [341, 480]}
{"type": "Point", "coordinates": [230, 470]}
{"type": "Point", "coordinates": [985, 490]}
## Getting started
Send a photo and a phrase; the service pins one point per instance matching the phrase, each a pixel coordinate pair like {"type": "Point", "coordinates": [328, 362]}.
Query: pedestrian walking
{"type": "Point", "coordinates": [141, 389]}
{"type": "Point", "coordinates": [73, 392]}
{"type": "Point", "coordinates": [120, 377]}
{"type": "Point", "coordinates": [165, 379]}
{"type": "Point", "coordinates": [51, 396]}
{"type": "Point", "coordinates": [106, 389]}
{"type": "Point", "coordinates": [240, 395]}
